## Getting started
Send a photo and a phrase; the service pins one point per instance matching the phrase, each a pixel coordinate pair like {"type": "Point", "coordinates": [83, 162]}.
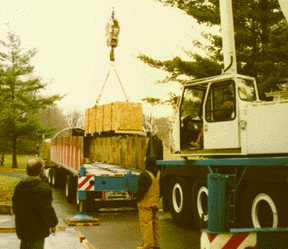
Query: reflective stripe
{"type": "Point", "coordinates": [228, 240]}
{"type": "Point", "coordinates": [84, 183]}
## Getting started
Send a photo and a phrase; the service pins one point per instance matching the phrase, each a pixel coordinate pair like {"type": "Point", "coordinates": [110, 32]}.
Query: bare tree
{"type": "Point", "coordinates": [149, 123]}
{"type": "Point", "coordinates": [160, 126]}
{"type": "Point", "coordinates": [163, 125]}
{"type": "Point", "coordinates": [53, 117]}
{"type": "Point", "coordinates": [76, 119]}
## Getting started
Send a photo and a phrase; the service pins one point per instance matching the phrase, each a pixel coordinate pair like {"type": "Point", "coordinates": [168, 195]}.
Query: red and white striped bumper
{"type": "Point", "coordinates": [228, 240]}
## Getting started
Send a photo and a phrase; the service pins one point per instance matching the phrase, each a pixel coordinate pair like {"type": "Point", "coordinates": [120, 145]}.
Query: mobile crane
{"type": "Point", "coordinates": [245, 145]}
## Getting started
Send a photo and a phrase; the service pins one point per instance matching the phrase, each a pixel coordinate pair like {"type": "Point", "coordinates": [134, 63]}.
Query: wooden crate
{"type": "Point", "coordinates": [126, 151]}
{"type": "Point", "coordinates": [120, 117]}
{"type": "Point", "coordinates": [107, 117]}
{"type": "Point", "coordinates": [126, 117]}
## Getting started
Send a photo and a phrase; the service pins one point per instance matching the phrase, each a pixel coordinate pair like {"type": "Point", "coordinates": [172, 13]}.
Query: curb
{"type": "Point", "coordinates": [86, 244]}
{"type": "Point", "coordinates": [82, 239]}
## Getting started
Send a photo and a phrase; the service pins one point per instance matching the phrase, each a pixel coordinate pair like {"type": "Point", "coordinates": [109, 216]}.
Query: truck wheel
{"type": "Point", "coordinates": [199, 202]}
{"type": "Point", "coordinates": [57, 177]}
{"type": "Point", "coordinates": [49, 175]}
{"type": "Point", "coordinates": [53, 177]}
{"type": "Point", "coordinates": [180, 201]}
{"type": "Point", "coordinates": [70, 188]}
{"type": "Point", "coordinates": [264, 207]}
{"type": "Point", "coordinates": [77, 198]}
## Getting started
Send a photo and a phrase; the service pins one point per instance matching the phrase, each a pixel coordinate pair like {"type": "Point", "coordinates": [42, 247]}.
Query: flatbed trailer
{"type": "Point", "coordinates": [94, 184]}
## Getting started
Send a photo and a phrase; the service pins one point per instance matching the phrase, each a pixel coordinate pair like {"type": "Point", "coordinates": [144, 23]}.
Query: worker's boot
{"type": "Point", "coordinates": [196, 145]}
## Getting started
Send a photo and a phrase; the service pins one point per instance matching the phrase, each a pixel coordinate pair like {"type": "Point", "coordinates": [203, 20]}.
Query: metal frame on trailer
{"type": "Point", "coordinates": [95, 179]}
{"type": "Point", "coordinates": [255, 161]}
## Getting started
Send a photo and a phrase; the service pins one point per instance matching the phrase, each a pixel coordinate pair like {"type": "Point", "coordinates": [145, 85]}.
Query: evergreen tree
{"type": "Point", "coordinates": [261, 42]}
{"type": "Point", "coordinates": [20, 102]}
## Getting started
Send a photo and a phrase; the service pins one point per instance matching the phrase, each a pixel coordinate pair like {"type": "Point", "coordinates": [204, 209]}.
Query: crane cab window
{"type": "Point", "coordinates": [191, 114]}
{"type": "Point", "coordinates": [220, 104]}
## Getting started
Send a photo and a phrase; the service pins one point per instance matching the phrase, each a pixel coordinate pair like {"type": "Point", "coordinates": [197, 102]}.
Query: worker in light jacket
{"type": "Point", "coordinates": [35, 217]}
{"type": "Point", "coordinates": [149, 191]}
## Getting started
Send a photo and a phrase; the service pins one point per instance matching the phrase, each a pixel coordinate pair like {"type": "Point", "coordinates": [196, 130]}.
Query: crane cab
{"type": "Point", "coordinates": [209, 112]}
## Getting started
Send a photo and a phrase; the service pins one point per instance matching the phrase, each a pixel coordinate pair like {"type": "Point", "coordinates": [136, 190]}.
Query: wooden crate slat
{"type": "Point", "coordinates": [92, 120]}
{"type": "Point", "coordinates": [107, 117]}
{"type": "Point", "coordinates": [7, 229]}
{"type": "Point", "coordinates": [74, 222]}
{"type": "Point", "coordinates": [99, 119]}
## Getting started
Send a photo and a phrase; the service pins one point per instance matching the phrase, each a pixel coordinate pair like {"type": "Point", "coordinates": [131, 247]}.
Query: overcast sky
{"type": "Point", "coordinates": [73, 56]}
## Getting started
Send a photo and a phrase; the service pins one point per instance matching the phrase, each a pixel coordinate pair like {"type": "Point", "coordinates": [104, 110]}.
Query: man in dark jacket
{"type": "Point", "coordinates": [32, 205]}
{"type": "Point", "coordinates": [149, 190]}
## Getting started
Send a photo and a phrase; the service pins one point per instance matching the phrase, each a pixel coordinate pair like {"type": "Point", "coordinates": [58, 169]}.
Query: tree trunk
{"type": "Point", "coordinates": [14, 146]}
{"type": "Point", "coordinates": [2, 158]}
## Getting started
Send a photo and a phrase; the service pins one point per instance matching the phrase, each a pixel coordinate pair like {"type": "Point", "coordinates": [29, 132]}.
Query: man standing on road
{"type": "Point", "coordinates": [149, 191]}
{"type": "Point", "coordinates": [32, 205]}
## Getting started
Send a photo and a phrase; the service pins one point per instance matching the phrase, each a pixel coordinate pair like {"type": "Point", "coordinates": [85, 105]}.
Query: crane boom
{"type": "Point", "coordinates": [228, 39]}
{"type": "Point", "coordinates": [284, 8]}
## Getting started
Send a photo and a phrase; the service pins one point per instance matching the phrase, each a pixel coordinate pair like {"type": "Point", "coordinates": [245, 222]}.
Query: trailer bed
{"type": "Point", "coordinates": [105, 169]}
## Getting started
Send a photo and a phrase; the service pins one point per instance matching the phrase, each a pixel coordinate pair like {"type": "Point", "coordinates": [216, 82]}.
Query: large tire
{"type": "Point", "coordinates": [49, 175]}
{"type": "Point", "coordinates": [57, 177]}
{"type": "Point", "coordinates": [76, 198]}
{"type": "Point", "coordinates": [70, 188]}
{"type": "Point", "coordinates": [54, 177]}
{"type": "Point", "coordinates": [264, 206]}
{"type": "Point", "coordinates": [199, 202]}
{"type": "Point", "coordinates": [180, 201]}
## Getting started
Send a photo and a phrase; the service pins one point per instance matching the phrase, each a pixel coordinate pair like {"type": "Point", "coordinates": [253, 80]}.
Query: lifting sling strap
{"type": "Point", "coordinates": [112, 66]}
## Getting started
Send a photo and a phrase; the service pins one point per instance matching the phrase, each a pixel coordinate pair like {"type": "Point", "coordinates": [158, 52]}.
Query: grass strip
{"type": "Point", "coordinates": [21, 163]}
{"type": "Point", "coordinates": [7, 186]}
